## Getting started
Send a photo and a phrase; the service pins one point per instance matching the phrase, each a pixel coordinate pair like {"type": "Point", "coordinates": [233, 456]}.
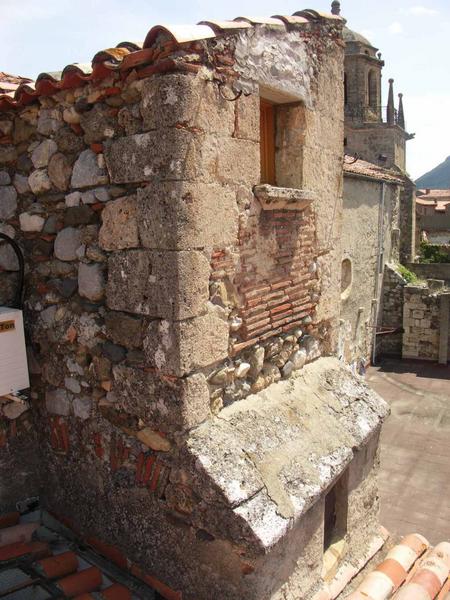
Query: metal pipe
{"type": "Point", "coordinates": [379, 271]}
{"type": "Point", "coordinates": [18, 299]}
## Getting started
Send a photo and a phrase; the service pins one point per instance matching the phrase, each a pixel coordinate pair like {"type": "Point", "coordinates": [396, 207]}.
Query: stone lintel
{"type": "Point", "coordinates": [280, 198]}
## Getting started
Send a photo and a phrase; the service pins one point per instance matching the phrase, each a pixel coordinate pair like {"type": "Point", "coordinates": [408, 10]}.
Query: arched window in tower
{"type": "Point", "coordinates": [345, 89]}
{"type": "Point", "coordinates": [372, 89]}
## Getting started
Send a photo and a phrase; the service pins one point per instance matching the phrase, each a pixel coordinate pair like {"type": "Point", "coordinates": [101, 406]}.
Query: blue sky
{"type": "Point", "coordinates": [413, 36]}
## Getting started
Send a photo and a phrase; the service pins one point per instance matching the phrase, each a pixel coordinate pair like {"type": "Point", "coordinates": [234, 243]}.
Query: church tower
{"type": "Point", "coordinates": [374, 132]}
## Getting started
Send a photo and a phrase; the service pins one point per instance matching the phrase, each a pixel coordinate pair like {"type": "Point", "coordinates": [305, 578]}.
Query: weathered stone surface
{"type": "Point", "coordinates": [247, 125]}
{"type": "Point", "coordinates": [39, 182]}
{"type": "Point", "coordinates": [67, 243]}
{"type": "Point", "coordinates": [6, 126]}
{"type": "Point", "coordinates": [58, 402]}
{"type": "Point", "coordinates": [91, 281]}
{"type": "Point", "coordinates": [5, 179]}
{"type": "Point", "coordinates": [68, 141]}
{"type": "Point", "coordinates": [327, 409]}
{"type": "Point", "coordinates": [13, 410]}
{"type": "Point", "coordinates": [7, 154]}
{"type": "Point", "coordinates": [168, 154]}
{"type": "Point", "coordinates": [82, 407]}
{"type": "Point", "coordinates": [183, 215]}
{"type": "Point", "coordinates": [73, 199]}
{"type": "Point", "coordinates": [42, 153]}
{"type": "Point", "coordinates": [172, 285]}
{"type": "Point", "coordinates": [120, 227]}
{"type": "Point", "coordinates": [113, 352]}
{"type": "Point", "coordinates": [86, 171]}
{"type": "Point", "coordinates": [8, 202]}
{"type": "Point", "coordinates": [183, 346]}
{"type": "Point", "coordinates": [178, 404]}
{"type": "Point", "coordinates": [188, 100]}
{"type": "Point", "coordinates": [21, 184]}
{"type": "Point", "coordinates": [49, 121]}
{"type": "Point", "coordinates": [124, 329]}
{"type": "Point", "coordinates": [97, 124]}
{"type": "Point", "coordinates": [246, 169]}
{"type": "Point", "coordinates": [59, 171]}
{"type": "Point", "coordinates": [79, 215]}
{"type": "Point", "coordinates": [31, 222]}
{"type": "Point", "coordinates": [72, 384]}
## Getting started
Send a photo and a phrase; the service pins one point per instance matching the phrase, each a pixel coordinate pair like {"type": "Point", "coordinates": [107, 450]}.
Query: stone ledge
{"type": "Point", "coordinates": [276, 198]}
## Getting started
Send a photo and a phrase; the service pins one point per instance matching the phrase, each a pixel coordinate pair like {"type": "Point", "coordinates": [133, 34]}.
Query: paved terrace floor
{"type": "Point", "coordinates": [415, 449]}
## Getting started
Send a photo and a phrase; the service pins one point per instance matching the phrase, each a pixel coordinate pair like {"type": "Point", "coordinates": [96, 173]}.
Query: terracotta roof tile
{"type": "Point", "coordinates": [367, 169]}
{"type": "Point", "coordinates": [160, 42]}
{"type": "Point", "coordinates": [71, 570]}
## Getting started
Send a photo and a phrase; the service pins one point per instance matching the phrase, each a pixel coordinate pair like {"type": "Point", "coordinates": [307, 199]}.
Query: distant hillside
{"type": "Point", "coordinates": [438, 178]}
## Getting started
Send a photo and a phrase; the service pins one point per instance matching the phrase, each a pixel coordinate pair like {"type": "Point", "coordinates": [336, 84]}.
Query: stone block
{"type": "Point", "coordinates": [98, 124]}
{"type": "Point", "coordinates": [168, 154]}
{"type": "Point", "coordinates": [191, 101]}
{"type": "Point", "coordinates": [82, 407]}
{"type": "Point", "coordinates": [247, 124]}
{"type": "Point", "coordinates": [49, 121]}
{"type": "Point", "coordinates": [238, 161]}
{"type": "Point", "coordinates": [21, 184]}
{"type": "Point", "coordinates": [58, 402]}
{"type": "Point", "coordinates": [42, 153]}
{"type": "Point", "coordinates": [183, 346]}
{"type": "Point", "coordinates": [67, 243]}
{"type": "Point", "coordinates": [8, 202]}
{"type": "Point", "coordinates": [120, 227]}
{"type": "Point", "coordinates": [168, 285]}
{"type": "Point", "coordinates": [59, 171]}
{"type": "Point", "coordinates": [124, 329]}
{"type": "Point", "coordinates": [167, 405]}
{"type": "Point", "coordinates": [39, 182]}
{"type": "Point", "coordinates": [183, 215]}
{"type": "Point", "coordinates": [5, 179]}
{"type": "Point", "coordinates": [30, 222]}
{"type": "Point", "coordinates": [91, 281]}
{"type": "Point", "coordinates": [87, 172]}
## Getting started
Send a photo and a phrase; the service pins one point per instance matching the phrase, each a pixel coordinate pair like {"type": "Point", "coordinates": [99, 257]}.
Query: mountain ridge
{"type": "Point", "coordinates": [438, 178]}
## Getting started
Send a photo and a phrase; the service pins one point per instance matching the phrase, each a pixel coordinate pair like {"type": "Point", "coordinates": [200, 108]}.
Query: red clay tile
{"type": "Point", "coordinates": [164, 590]}
{"type": "Point", "coordinates": [35, 549]}
{"type": "Point", "coordinates": [59, 565]}
{"type": "Point", "coordinates": [116, 592]}
{"type": "Point", "coordinates": [394, 570]}
{"type": "Point", "coordinates": [79, 583]}
{"type": "Point", "coordinates": [109, 551]}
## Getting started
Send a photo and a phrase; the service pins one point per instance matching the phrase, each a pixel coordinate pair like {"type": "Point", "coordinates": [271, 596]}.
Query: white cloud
{"type": "Point", "coordinates": [422, 11]}
{"type": "Point", "coordinates": [395, 28]}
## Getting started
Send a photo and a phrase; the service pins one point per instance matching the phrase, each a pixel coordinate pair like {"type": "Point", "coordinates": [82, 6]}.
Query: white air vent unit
{"type": "Point", "coordinates": [13, 357]}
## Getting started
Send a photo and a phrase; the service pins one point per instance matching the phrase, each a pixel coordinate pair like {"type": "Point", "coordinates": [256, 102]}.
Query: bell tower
{"type": "Point", "coordinates": [373, 131]}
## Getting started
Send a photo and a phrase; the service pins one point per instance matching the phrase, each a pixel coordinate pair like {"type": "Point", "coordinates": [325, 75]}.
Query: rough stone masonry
{"type": "Point", "coordinates": [177, 310]}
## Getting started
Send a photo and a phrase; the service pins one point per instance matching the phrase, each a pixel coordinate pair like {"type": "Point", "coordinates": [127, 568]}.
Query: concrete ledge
{"type": "Point", "coordinates": [280, 198]}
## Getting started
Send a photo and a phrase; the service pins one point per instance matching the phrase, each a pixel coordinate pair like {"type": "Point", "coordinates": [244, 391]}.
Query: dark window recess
{"type": "Point", "coordinates": [335, 517]}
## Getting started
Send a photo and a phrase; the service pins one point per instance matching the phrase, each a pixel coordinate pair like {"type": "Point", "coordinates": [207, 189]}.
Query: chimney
{"type": "Point", "coordinates": [427, 191]}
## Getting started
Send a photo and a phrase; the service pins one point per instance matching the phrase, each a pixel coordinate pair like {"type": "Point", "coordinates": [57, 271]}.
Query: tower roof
{"type": "Point", "coordinates": [353, 36]}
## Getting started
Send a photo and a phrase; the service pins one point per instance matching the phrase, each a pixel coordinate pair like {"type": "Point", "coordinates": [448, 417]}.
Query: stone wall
{"type": "Point", "coordinates": [407, 221]}
{"type": "Point", "coordinates": [368, 237]}
{"type": "Point", "coordinates": [160, 290]}
{"type": "Point", "coordinates": [422, 321]}
{"type": "Point", "coordinates": [371, 140]}
{"type": "Point", "coordinates": [390, 344]}
{"type": "Point", "coordinates": [431, 270]}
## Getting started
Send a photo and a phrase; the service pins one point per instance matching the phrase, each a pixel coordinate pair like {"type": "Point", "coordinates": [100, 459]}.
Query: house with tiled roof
{"type": "Point", "coordinates": [189, 427]}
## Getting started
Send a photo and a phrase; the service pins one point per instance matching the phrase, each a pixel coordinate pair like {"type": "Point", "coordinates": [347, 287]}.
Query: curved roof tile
{"type": "Point", "coordinates": [160, 41]}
